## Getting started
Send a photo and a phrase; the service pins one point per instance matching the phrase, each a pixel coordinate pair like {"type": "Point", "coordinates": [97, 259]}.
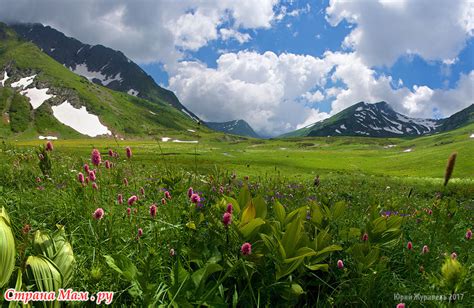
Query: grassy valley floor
{"type": "Point", "coordinates": [379, 227]}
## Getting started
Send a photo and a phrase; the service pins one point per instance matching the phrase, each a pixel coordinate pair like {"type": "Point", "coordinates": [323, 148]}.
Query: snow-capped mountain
{"type": "Point", "coordinates": [99, 64]}
{"type": "Point", "coordinates": [380, 120]}
{"type": "Point", "coordinates": [236, 127]}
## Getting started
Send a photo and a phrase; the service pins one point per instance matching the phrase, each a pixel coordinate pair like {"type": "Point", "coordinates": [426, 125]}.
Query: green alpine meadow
{"type": "Point", "coordinates": [226, 155]}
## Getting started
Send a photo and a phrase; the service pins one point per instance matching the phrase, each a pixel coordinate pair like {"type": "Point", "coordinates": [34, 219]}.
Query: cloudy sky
{"type": "Point", "coordinates": [281, 65]}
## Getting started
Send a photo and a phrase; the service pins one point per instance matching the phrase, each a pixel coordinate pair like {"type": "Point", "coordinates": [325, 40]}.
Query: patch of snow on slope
{"type": "Point", "coordinates": [399, 125]}
{"type": "Point", "coordinates": [362, 133]}
{"type": "Point", "coordinates": [80, 120]}
{"type": "Point", "coordinates": [23, 82]}
{"type": "Point", "coordinates": [82, 69]}
{"type": "Point", "coordinates": [185, 141]}
{"type": "Point", "coordinates": [187, 113]}
{"type": "Point", "coordinates": [428, 123]}
{"type": "Point", "coordinates": [191, 130]}
{"type": "Point", "coordinates": [133, 92]}
{"type": "Point", "coordinates": [407, 150]}
{"type": "Point", "coordinates": [374, 127]}
{"type": "Point", "coordinates": [343, 126]}
{"type": "Point", "coordinates": [47, 138]}
{"type": "Point", "coordinates": [117, 77]}
{"type": "Point", "coordinates": [403, 118]}
{"type": "Point", "coordinates": [372, 111]}
{"type": "Point", "coordinates": [338, 131]}
{"type": "Point", "coordinates": [472, 136]}
{"type": "Point", "coordinates": [5, 77]}
{"type": "Point", "coordinates": [37, 96]}
{"type": "Point", "coordinates": [359, 108]}
{"type": "Point", "coordinates": [165, 139]}
{"type": "Point", "coordinates": [393, 130]}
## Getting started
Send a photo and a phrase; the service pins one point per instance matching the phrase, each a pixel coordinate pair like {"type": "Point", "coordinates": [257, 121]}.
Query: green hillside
{"type": "Point", "coordinates": [458, 119]}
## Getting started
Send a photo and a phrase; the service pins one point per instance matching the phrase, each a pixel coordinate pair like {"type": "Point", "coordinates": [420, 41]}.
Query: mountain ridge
{"type": "Point", "coordinates": [380, 120]}
{"type": "Point", "coordinates": [235, 127]}
{"type": "Point", "coordinates": [99, 64]}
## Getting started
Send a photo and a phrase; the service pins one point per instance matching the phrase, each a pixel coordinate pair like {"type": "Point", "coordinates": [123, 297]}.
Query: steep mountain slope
{"type": "Point", "coordinates": [40, 96]}
{"type": "Point", "coordinates": [380, 120]}
{"type": "Point", "coordinates": [236, 127]}
{"type": "Point", "coordinates": [102, 65]}
{"type": "Point", "coordinates": [458, 119]}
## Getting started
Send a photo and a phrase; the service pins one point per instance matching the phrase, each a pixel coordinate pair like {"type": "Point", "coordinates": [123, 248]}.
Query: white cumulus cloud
{"type": "Point", "coordinates": [263, 88]}
{"type": "Point", "coordinates": [313, 97]}
{"type": "Point", "coordinates": [387, 29]}
{"type": "Point", "coordinates": [227, 34]}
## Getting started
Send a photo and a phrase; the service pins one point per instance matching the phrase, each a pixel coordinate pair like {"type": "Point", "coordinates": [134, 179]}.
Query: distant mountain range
{"type": "Point", "coordinates": [380, 120]}
{"type": "Point", "coordinates": [237, 127]}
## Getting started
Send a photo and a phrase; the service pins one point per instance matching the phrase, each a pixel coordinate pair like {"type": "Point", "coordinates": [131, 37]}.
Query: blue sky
{"type": "Point", "coordinates": [283, 64]}
{"type": "Point", "coordinates": [307, 34]}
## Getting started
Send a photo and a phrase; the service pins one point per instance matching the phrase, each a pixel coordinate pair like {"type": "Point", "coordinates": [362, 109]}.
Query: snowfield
{"type": "Point", "coordinates": [185, 141]}
{"type": "Point", "coordinates": [37, 96]}
{"type": "Point", "coordinates": [47, 138]}
{"type": "Point", "coordinates": [393, 130]}
{"type": "Point", "coordinates": [23, 82]}
{"type": "Point", "coordinates": [166, 139]}
{"type": "Point", "coordinates": [132, 92]}
{"type": "Point", "coordinates": [5, 77]}
{"type": "Point", "coordinates": [82, 69]}
{"type": "Point", "coordinates": [428, 123]}
{"type": "Point", "coordinates": [80, 120]}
